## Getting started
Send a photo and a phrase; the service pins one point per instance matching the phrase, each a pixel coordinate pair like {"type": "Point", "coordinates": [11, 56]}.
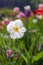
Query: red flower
{"type": "Point", "coordinates": [39, 11]}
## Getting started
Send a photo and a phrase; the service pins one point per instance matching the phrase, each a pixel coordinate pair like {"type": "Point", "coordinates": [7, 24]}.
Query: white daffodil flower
{"type": "Point", "coordinates": [28, 7]}
{"type": "Point", "coordinates": [16, 29]}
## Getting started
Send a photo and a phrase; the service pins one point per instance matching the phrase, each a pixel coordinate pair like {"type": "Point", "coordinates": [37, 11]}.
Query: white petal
{"type": "Point", "coordinates": [13, 36]}
{"type": "Point", "coordinates": [18, 23]}
{"type": "Point", "coordinates": [22, 30]}
{"type": "Point", "coordinates": [28, 7]}
{"type": "Point", "coordinates": [10, 27]}
{"type": "Point", "coordinates": [16, 35]}
{"type": "Point", "coordinates": [21, 34]}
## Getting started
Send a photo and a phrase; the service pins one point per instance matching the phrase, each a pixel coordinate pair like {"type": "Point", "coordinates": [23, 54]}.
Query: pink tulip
{"type": "Point", "coordinates": [16, 10]}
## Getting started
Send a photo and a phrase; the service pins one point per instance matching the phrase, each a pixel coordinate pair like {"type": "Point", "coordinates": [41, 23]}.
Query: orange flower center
{"type": "Point", "coordinates": [16, 29]}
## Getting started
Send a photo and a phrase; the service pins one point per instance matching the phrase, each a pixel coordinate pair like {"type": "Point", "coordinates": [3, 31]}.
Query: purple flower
{"type": "Point", "coordinates": [28, 13]}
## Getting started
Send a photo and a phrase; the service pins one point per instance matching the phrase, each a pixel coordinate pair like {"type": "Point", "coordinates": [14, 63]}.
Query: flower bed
{"type": "Point", "coordinates": [21, 36]}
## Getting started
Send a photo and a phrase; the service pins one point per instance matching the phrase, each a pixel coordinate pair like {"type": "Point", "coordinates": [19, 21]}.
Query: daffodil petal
{"type": "Point", "coordinates": [13, 36]}
{"type": "Point", "coordinates": [18, 23]}
{"type": "Point", "coordinates": [21, 34]}
{"type": "Point", "coordinates": [22, 30]}
{"type": "Point", "coordinates": [16, 35]}
{"type": "Point", "coordinates": [10, 27]}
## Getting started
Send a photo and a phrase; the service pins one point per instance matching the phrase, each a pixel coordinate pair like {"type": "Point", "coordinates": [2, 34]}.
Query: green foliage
{"type": "Point", "coordinates": [39, 56]}
{"type": "Point", "coordinates": [25, 49]}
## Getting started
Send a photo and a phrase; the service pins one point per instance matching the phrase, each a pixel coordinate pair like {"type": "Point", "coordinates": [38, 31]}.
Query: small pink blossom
{"type": "Point", "coordinates": [9, 53]}
{"type": "Point", "coordinates": [20, 15]}
{"type": "Point", "coordinates": [16, 9]}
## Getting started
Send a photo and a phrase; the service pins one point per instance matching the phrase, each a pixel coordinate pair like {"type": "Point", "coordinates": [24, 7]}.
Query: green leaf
{"type": "Point", "coordinates": [36, 58]}
{"type": "Point", "coordinates": [26, 60]}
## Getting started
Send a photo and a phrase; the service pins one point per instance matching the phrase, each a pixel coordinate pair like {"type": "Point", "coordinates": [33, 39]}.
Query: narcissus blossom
{"type": "Point", "coordinates": [16, 9]}
{"type": "Point", "coordinates": [16, 29]}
